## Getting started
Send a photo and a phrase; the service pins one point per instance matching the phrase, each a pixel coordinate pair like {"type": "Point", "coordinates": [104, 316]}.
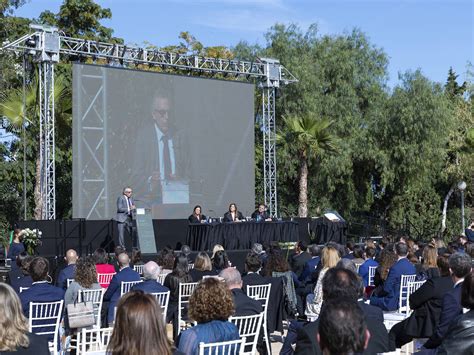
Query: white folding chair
{"type": "Point", "coordinates": [190, 266]}
{"type": "Point", "coordinates": [23, 289]}
{"type": "Point", "coordinates": [125, 286]}
{"type": "Point", "coordinates": [185, 292]}
{"type": "Point", "coordinates": [358, 266]}
{"type": "Point", "coordinates": [44, 319]}
{"type": "Point", "coordinates": [163, 299]}
{"type": "Point", "coordinates": [249, 328]}
{"type": "Point", "coordinates": [262, 293]}
{"type": "Point", "coordinates": [8, 262]}
{"type": "Point", "coordinates": [161, 278]}
{"type": "Point", "coordinates": [69, 281]}
{"type": "Point", "coordinates": [91, 341]}
{"type": "Point", "coordinates": [138, 268]}
{"type": "Point", "coordinates": [96, 297]}
{"type": "Point", "coordinates": [411, 288]}
{"type": "Point", "coordinates": [370, 280]}
{"type": "Point", "coordinates": [104, 279]}
{"type": "Point", "coordinates": [233, 347]}
{"type": "Point", "coordinates": [402, 300]}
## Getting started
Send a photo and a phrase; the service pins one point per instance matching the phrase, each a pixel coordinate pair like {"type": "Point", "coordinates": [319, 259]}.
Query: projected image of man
{"type": "Point", "coordinates": [159, 162]}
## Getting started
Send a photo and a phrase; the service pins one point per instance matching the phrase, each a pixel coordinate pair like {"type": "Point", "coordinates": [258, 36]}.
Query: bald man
{"type": "Point", "coordinates": [69, 271]}
{"type": "Point", "coordinates": [125, 274]}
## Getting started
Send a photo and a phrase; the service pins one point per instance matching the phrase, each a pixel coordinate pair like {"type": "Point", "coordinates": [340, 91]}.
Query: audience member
{"type": "Point", "coordinates": [369, 262]}
{"type": "Point", "coordinates": [165, 260]}
{"type": "Point", "coordinates": [253, 268]}
{"type": "Point", "coordinates": [311, 264]}
{"type": "Point", "coordinates": [460, 267]}
{"type": "Point", "coordinates": [387, 259]}
{"type": "Point", "coordinates": [69, 271]}
{"type": "Point", "coordinates": [299, 258]}
{"type": "Point", "coordinates": [210, 306]}
{"type": "Point", "coordinates": [347, 264]}
{"type": "Point", "coordinates": [101, 264]}
{"type": "Point", "coordinates": [244, 305]}
{"type": "Point", "coordinates": [151, 270]}
{"type": "Point", "coordinates": [428, 267]}
{"type": "Point", "coordinates": [40, 290]}
{"type": "Point", "coordinates": [14, 335]}
{"type": "Point", "coordinates": [136, 258]}
{"type": "Point", "coordinates": [220, 261]}
{"type": "Point", "coordinates": [349, 251]}
{"type": "Point", "coordinates": [117, 251]}
{"type": "Point", "coordinates": [139, 327]}
{"type": "Point", "coordinates": [19, 276]}
{"type": "Point", "coordinates": [459, 338]}
{"type": "Point", "coordinates": [85, 279]}
{"type": "Point", "coordinates": [259, 251]}
{"type": "Point", "coordinates": [389, 302]}
{"type": "Point", "coordinates": [330, 258]}
{"type": "Point", "coordinates": [186, 250]}
{"type": "Point", "coordinates": [202, 267]}
{"type": "Point", "coordinates": [215, 249]}
{"type": "Point", "coordinates": [342, 328]}
{"type": "Point", "coordinates": [426, 303]}
{"type": "Point", "coordinates": [16, 246]}
{"type": "Point", "coordinates": [358, 253]}
{"type": "Point", "coordinates": [114, 290]}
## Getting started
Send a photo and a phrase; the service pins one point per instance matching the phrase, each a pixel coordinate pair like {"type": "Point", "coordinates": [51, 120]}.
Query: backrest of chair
{"type": "Point", "coordinates": [163, 300]}
{"type": "Point", "coordinates": [260, 293]}
{"type": "Point", "coordinates": [93, 340]}
{"type": "Point", "coordinates": [405, 279]}
{"type": "Point", "coordinates": [370, 280]}
{"type": "Point", "coordinates": [186, 289]}
{"type": "Point", "coordinates": [125, 286]}
{"type": "Point", "coordinates": [161, 278]}
{"type": "Point", "coordinates": [104, 279]}
{"type": "Point", "coordinates": [138, 268]}
{"type": "Point", "coordinates": [96, 297]}
{"type": "Point", "coordinates": [8, 262]}
{"type": "Point", "coordinates": [45, 318]}
{"type": "Point", "coordinates": [23, 289]}
{"type": "Point", "coordinates": [190, 266]}
{"type": "Point", "coordinates": [233, 347]}
{"type": "Point", "coordinates": [358, 266]}
{"type": "Point", "coordinates": [69, 281]}
{"type": "Point", "coordinates": [412, 286]}
{"type": "Point", "coordinates": [249, 327]}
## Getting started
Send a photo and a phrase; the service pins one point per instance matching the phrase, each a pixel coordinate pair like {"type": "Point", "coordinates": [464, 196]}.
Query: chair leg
{"type": "Point", "coordinates": [267, 340]}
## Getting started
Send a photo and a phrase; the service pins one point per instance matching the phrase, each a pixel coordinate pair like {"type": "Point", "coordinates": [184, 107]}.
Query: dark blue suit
{"type": "Point", "coordinates": [113, 291]}
{"type": "Point", "coordinates": [40, 292]}
{"type": "Point", "coordinates": [15, 250]}
{"type": "Point", "coordinates": [67, 273]}
{"type": "Point", "coordinates": [20, 281]}
{"type": "Point", "coordinates": [392, 285]}
{"type": "Point", "coordinates": [450, 310]}
{"type": "Point", "coordinates": [309, 267]}
{"type": "Point", "coordinates": [150, 286]}
{"type": "Point", "coordinates": [364, 270]}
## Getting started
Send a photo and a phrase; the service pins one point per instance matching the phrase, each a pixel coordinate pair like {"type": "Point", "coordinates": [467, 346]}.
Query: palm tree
{"type": "Point", "coordinates": [11, 107]}
{"type": "Point", "coordinates": [306, 138]}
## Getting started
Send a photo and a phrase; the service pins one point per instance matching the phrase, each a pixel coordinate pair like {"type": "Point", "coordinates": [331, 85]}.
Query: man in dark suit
{"type": "Point", "coordinates": [346, 284]}
{"type": "Point", "coordinates": [125, 210]}
{"type": "Point", "coordinates": [312, 263]}
{"type": "Point", "coordinates": [253, 266]}
{"type": "Point", "coordinates": [69, 271]}
{"type": "Point", "coordinates": [151, 270]}
{"type": "Point", "coordinates": [391, 288]}
{"type": "Point", "coordinates": [300, 258]}
{"type": "Point", "coordinates": [460, 267]}
{"type": "Point", "coordinates": [426, 303]}
{"type": "Point", "coordinates": [40, 290]}
{"type": "Point", "coordinates": [113, 291]}
{"type": "Point", "coordinates": [260, 214]}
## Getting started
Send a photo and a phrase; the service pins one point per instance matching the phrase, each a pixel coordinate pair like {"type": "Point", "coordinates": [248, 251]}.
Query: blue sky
{"type": "Point", "coordinates": [428, 34]}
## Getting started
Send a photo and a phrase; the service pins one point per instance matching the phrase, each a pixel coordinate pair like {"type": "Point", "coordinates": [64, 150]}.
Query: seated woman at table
{"type": "Point", "coordinates": [233, 215]}
{"type": "Point", "coordinates": [197, 216]}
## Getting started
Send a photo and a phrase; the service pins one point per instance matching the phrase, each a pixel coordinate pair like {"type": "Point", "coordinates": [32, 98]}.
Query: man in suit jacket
{"type": "Point", "coordinates": [364, 268]}
{"type": "Point", "coordinates": [300, 258]}
{"type": "Point", "coordinates": [253, 267]}
{"type": "Point", "coordinates": [460, 267]}
{"type": "Point", "coordinates": [151, 270]}
{"type": "Point", "coordinates": [69, 271]}
{"type": "Point", "coordinates": [113, 291]}
{"type": "Point", "coordinates": [40, 290]}
{"type": "Point", "coordinates": [344, 283]}
{"type": "Point", "coordinates": [311, 264]}
{"type": "Point", "coordinates": [260, 214]}
{"type": "Point", "coordinates": [125, 209]}
{"type": "Point", "coordinates": [426, 303]}
{"type": "Point", "coordinates": [392, 285]}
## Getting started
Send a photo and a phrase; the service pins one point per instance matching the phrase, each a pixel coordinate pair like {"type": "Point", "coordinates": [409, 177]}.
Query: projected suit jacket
{"type": "Point", "coordinates": [147, 159]}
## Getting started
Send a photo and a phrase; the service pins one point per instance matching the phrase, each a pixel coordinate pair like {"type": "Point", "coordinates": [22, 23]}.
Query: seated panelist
{"type": "Point", "coordinates": [260, 214]}
{"type": "Point", "coordinates": [233, 215]}
{"type": "Point", "coordinates": [197, 216]}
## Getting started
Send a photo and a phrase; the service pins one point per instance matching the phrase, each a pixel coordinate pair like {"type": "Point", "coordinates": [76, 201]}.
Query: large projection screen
{"type": "Point", "coordinates": [177, 141]}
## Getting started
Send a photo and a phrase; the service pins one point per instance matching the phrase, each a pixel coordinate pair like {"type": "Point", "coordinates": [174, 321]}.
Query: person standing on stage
{"type": "Point", "coordinates": [197, 216]}
{"type": "Point", "coordinates": [233, 215]}
{"type": "Point", "coordinates": [125, 212]}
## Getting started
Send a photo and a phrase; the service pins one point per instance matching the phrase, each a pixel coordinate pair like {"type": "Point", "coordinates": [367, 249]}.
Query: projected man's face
{"type": "Point", "coordinates": [160, 113]}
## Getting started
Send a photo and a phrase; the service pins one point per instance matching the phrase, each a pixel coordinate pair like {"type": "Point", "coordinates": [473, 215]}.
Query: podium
{"type": "Point", "coordinates": [145, 231]}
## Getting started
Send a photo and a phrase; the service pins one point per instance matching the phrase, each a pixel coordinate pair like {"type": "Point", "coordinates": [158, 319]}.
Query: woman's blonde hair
{"type": "Point", "coordinates": [13, 324]}
{"type": "Point", "coordinates": [430, 256]}
{"type": "Point", "coordinates": [216, 248]}
{"type": "Point", "coordinates": [203, 262]}
{"type": "Point", "coordinates": [330, 257]}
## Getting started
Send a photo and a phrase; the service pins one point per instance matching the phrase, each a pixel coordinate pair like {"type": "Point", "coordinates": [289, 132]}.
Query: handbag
{"type": "Point", "coordinates": [81, 314]}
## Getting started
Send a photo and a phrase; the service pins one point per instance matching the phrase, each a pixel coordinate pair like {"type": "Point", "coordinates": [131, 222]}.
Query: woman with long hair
{"type": "Point", "coordinates": [233, 214]}
{"type": "Point", "coordinates": [329, 259]}
{"type": "Point", "coordinates": [197, 216]}
{"type": "Point", "coordinates": [202, 267]}
{"type": "Point", "coordinates": [16, 246]}
{"type": "Point", "coordinates": [210, 306]}
{"type": "Point", "coordinates": [387, 259]}
{"type": "Point", "coordinates": [428, 267]}
{"type": "Point", "coordinates": [139, 328]}
{"type": "Point", "coordinates": [85, 278]}
{"type": "Point", "coordinates": [220, 261]}
{"type": "Point", "coordinates": [14, 335]}
{"type": "Point", "coordinates": [102, 266]}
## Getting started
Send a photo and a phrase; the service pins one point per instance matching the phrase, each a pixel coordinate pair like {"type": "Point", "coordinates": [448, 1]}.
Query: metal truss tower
{"type": "Point", "coordinates": [46, 44]}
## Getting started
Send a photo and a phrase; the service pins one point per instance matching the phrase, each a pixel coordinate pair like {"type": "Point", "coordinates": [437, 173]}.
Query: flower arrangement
{"type": "Point", "coordinates": [31, 239]}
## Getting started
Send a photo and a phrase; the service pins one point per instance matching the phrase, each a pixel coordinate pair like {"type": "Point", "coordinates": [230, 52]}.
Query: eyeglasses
{"type": "Point", "coordinates": [128, 192]}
